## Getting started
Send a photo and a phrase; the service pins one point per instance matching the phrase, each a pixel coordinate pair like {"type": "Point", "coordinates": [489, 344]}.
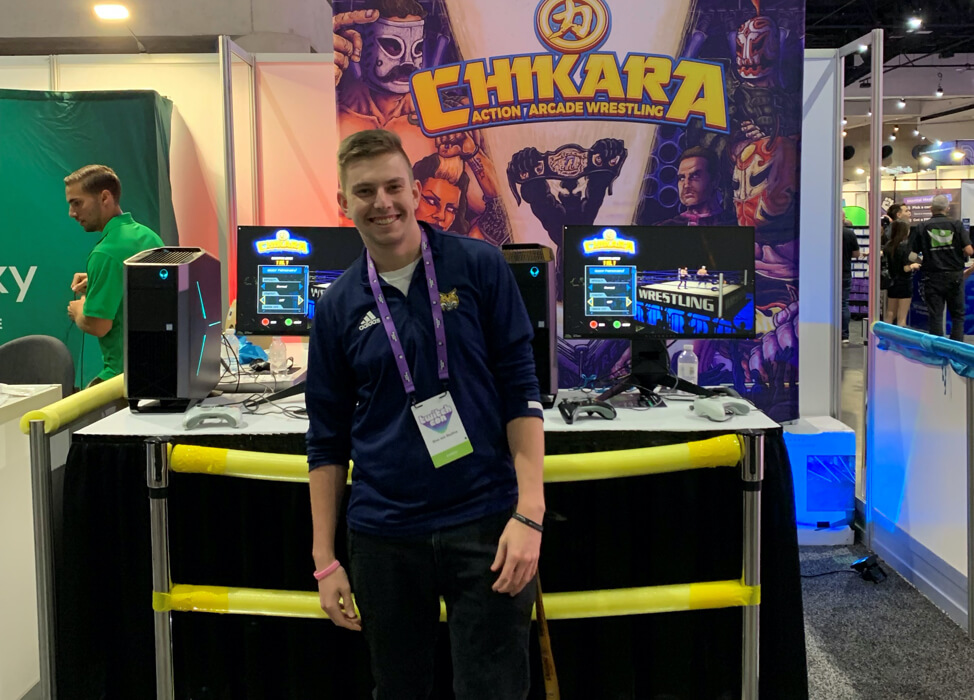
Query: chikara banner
{"type": "Point", "coordinates": [524, 116]}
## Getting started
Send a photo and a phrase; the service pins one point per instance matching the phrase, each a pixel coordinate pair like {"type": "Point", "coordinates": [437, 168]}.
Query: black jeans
{"type": "Point", "coordinates": [940, 288]}
{"type": "Point", "coordinates": [846, 314]}
{"type": "Point", "coordinates": [397, 583]}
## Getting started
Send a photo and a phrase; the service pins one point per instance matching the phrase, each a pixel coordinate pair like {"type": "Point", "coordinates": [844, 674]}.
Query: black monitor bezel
{"type": "Point", "coordinates": [644, 333]}
{"type": "Point", "coordinates": [249, 231]}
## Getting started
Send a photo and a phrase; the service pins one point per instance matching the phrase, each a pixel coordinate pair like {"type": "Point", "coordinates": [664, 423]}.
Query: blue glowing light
{"type": "Point", "coordinates": [163, 273]}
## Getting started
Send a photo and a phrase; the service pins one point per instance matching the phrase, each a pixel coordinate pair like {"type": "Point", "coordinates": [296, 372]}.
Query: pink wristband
{"type": "Point", "coordinates": [328, 570]}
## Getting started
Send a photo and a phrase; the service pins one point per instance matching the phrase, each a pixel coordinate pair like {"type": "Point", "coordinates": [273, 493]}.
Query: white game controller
{"type": "Point", "coordinates": [720, 408]}
{"type": "Point", "coordinates": [206, 416]}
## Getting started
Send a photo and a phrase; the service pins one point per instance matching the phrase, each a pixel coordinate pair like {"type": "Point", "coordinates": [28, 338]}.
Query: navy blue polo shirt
{"type": "Point", "coordinates": [358, 408]}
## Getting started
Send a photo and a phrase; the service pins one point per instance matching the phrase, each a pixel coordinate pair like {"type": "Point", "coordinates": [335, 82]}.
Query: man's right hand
{"type": "Point", "coordinates": [335, 596]}
{"type": "Point", "coordinates": [347, 41]}
{"type": "Point", "coordinates": [79, 283]}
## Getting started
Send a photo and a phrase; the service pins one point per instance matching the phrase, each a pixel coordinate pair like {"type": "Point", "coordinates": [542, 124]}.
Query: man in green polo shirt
{"type": "Point", "coordinates": [93, 195]}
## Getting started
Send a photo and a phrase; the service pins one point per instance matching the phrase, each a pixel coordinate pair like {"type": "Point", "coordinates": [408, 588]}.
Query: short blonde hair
{"type": "Point", "coordinates": [95, 179]}
{"type": "Point", "coordinates": [368, 144]}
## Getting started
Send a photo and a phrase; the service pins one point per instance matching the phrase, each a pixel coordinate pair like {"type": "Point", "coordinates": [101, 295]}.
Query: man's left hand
{"type": "Point", "coordinates": [75, 309]}
{"type": "Point", "coordinates": [517, 558]}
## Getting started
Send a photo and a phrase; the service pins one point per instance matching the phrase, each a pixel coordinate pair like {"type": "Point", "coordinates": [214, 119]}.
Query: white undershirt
{"type": "Point", "coordinates": [400, 278]}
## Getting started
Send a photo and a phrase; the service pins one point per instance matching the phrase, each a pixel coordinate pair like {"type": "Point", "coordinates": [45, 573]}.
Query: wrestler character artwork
{"type": "Point", "coordinates": [445, 184]}
{"type": "Point", "coordinates": [565, 186]}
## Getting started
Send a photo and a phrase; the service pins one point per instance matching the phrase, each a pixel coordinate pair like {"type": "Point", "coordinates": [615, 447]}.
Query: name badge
{"type": "Point", "coordinates": [442, 430]}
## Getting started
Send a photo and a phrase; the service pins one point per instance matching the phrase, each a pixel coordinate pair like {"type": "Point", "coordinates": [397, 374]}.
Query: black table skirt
{"type": "Point", "coordinates": [617, 533]}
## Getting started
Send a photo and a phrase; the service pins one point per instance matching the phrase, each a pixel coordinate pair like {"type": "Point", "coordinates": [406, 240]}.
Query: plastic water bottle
{"type": "Point", "coordinates": [277, 355]}
{"type": "Point", "coordinates": [233, 343]}
{"type": "Point", "coordinates": [686, 364]}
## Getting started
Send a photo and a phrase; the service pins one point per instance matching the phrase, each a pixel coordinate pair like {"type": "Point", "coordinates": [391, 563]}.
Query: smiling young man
{"type": "Point", "coordinates": [421, 371]}
{"type": "Point", "coordinates": [93, 194]}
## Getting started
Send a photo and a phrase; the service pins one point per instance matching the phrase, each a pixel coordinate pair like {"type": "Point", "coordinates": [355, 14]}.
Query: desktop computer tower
{"type": "Point", "coordinates": [534, 270]}
{"type": "Point", "coordinates": [173, 327]}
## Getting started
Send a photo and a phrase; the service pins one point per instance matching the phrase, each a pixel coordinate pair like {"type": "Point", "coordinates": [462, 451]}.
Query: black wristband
{"type": "Point", "coordinates": [527, 521]}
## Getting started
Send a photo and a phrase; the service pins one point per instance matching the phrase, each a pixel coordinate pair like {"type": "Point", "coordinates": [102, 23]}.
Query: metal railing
{"type": "Point", "coordinates": [42, 425]}
{"type": "Point", "coordinates": [725, 451]}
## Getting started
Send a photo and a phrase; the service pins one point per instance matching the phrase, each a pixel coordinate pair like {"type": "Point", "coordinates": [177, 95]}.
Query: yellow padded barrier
{"type": "Point", "coordinates": [723, 451]}
{"type": "Point", "coordinates": [70, 408]}
{"type": "Point", "coordinates": [558, 606]}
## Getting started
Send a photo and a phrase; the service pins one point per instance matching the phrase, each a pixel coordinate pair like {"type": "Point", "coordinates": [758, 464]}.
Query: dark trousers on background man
{"type": "Point", "coordinates": [846, 314]}
{"type": "Point", "coordinates": [945, 289]}
{"type": "Point", "coordinates": [397, 583]}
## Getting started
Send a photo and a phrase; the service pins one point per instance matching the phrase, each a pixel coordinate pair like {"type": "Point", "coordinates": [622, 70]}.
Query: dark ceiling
{"type": "Point", "coordinates": [948, 27]}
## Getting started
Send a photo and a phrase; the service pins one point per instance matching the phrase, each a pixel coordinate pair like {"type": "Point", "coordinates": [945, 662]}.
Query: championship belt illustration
{"type": "Point", "coordinates": [570, 162]}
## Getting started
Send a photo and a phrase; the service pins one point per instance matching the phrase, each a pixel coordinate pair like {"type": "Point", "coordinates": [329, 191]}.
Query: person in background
{"type": "Point", "coordinates": [945, 245]}
{"type": "Point", "coordinates": [896, 212]}
{"type": "Point", "coordinates": [901, 269]}
{"type": "Point", "coordinates": [94, 193]}
{"type": "Point", "coordinates": [420, 365]}
{"type": "Point", "coordinates": [850, 250]}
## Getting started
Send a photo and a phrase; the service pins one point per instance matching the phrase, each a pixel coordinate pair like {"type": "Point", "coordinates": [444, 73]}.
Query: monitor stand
{"type": "Point", "coordinates": [650, 362]}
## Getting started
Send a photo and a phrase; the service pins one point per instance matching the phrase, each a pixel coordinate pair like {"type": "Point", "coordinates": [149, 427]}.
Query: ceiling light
{"type": "Point", "coordinates": [926, 160]}
{"type": "Point", "coordinates": [914, 23]}
{"type": "Point", "coordinates": [896, 129]}
{"type": "Point", "coordinates": [916, 132]}
{"type": "Point", "coordinates": [901, 103]}
{"type": "Point", "coordinates": [892, 137]}
{"type": "Point", "coordinates": [863, 48]}
{"type": "Point", "coordinates": [869, 113]}
{"type": "Point", "coordinates": [844, 133]}
{"type": "Point", "coordinates": [860, 171]}
{"type": "Point", "coordinates": [938, 142]}
{"type": "Point", "coordinates": [844, 122]}
{"type": "Point", "coordinates": [940, 86]}
{"type": "Point", "coordinates": [111, 12]}
{"type": "Point", "coordinates": [957, 155]}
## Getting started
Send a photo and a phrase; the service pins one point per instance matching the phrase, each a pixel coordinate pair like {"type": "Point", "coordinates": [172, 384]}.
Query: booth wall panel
{"type": "Point", "coordinates": [25, 73]}
{"type": "Point", "coordinates": [193, 84]}
{"type": "Point", "coordinates": [918, 459]}
{"type": "Point", "coordinates": [175, 18]}
{"type": "Point", "coordinates": [817, 338]}
{"type": "Point", "coordinates": [298, 144]}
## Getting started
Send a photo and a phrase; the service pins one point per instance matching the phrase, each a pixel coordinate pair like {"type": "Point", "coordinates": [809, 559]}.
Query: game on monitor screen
{"type": "Point", "coordinates": [651, 283]}
{"type": "Point", "coordinates": [282, 272]}
{"type": "Point", "coordinates": [659, 281]}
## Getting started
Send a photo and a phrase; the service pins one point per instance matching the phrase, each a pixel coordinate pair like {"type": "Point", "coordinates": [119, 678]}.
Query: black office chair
{"type": "Point", "coordinates": [37, 359]}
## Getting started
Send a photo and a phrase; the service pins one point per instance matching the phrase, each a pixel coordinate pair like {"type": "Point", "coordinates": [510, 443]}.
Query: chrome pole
{"type": "Point", "coordinates": [875, 207]}
{"type": "Point", "coordinates": [157, 479]}
{"type": "Point", "coordinates": [752, 475]}
{"type": "Point", "coordinates": [40, 471]}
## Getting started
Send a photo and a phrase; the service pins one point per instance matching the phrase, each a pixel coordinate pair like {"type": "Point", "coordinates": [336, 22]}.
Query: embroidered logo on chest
{"type": "Point", "coordinates": [369, 320]}
{"type": "Point", "coordinates": [449, 301]}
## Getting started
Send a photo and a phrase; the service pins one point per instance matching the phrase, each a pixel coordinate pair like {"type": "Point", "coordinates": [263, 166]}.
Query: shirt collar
{"type": "Point", "coordinates": [432, 234]}
{"type": "Point", "coordinates": [115, 222]}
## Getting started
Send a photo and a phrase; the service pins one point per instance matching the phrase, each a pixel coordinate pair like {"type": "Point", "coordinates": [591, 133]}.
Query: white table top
{"type": "Point", "coordinates": [12, 406]}
{"type": "Point", "coordinates": [675, 417]}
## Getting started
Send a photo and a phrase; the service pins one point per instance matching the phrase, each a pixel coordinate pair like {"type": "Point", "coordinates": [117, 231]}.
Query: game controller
{"type": "Point", "coordinates": [198, 416]}
{"type": "Point", "coordinates": [571, 409]}
{"type": "Point", "coordinates": [720, 408]}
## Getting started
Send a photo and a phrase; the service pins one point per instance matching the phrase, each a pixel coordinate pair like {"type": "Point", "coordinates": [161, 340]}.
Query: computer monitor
{"type": "Point", "coordinates": [648, 284]}
{"type": "Point", "coordinates": [283, 271]}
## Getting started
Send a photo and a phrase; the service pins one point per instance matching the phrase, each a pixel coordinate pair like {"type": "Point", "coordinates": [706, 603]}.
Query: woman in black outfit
{"type": "Point", "coordinates": [897, 255]}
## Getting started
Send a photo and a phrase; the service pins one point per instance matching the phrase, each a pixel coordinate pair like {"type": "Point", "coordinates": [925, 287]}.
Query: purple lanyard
{"type": "Point", "coordinates": [390, 326]}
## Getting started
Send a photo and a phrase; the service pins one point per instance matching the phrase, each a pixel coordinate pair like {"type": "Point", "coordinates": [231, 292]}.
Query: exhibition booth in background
{"type": "Point", "coordinates": [251, 140]}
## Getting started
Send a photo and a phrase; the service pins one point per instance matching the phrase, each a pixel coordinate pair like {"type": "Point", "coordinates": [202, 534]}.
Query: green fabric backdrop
{"type": "Point", "coordinates": [44, 136]}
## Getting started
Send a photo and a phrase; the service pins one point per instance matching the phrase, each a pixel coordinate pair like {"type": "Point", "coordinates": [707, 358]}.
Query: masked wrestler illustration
{"type": "Point", "coordinates": [376, 52]}
{"type": "Point", "coordinates": [764, 152]}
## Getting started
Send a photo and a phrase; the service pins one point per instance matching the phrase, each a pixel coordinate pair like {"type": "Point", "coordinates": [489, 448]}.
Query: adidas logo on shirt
{"type": "Point", "coordinates": [369, 320]}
